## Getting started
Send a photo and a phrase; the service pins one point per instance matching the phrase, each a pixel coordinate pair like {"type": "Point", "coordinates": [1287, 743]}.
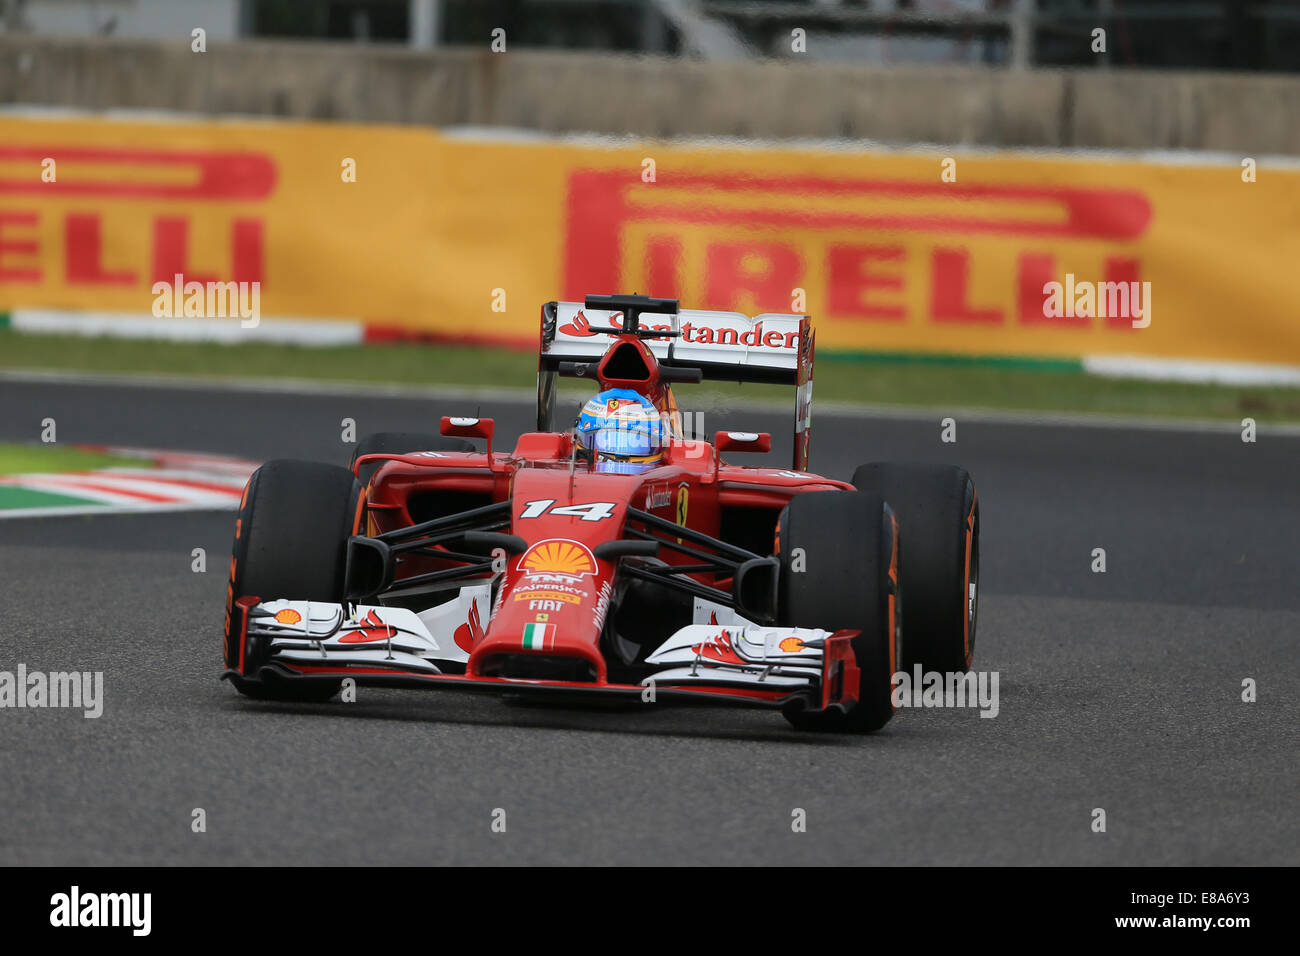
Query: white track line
{"type": "Point", "coordinates": [107, 509]}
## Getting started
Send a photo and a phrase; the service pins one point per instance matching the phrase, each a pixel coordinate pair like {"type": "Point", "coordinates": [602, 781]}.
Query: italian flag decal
{"type": "Point", "coordinates": [538, 636]}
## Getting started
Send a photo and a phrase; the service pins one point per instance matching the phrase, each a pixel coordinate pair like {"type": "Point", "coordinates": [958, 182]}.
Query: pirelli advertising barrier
{"type": "Point", "coordinates": [422, 232]}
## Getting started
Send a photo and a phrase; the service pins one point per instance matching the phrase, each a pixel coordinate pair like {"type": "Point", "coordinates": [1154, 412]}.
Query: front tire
{"type": "Point", "coordinates": [939, 518]}
{"type": "Point", "coordinates": [290, 542]}
{"type": "Point", "coordinates": [839, 571]}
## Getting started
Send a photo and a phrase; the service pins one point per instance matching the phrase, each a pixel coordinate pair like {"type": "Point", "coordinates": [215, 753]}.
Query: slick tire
{"type": "Point", "coordinates": [399, 443]}
{"type": "Point", "coordinates": [839, 571]}
{"type": "Point", "coordinates": [291, 542]}
{"type": "Point", "coordinates": [939, 519]}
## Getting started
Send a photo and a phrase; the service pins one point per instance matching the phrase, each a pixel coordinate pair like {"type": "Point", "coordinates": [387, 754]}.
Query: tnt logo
{"type": "Point", "coordinates": [881, 252]}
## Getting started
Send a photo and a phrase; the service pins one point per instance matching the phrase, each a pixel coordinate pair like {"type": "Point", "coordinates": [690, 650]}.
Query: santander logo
{"type": "Point", "coordinates": [696, 333]}
{"type": "Point", "coordinates": [471, 632]}
{"type": "Point", "coordinates": [581, 326]}
{"type": "Point", "coordinates": [718, 648]}
{"type": "Point", "coordinates": [372, 629]}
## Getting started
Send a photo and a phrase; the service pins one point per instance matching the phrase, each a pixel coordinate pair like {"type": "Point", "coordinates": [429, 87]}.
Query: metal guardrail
{"type": "Point", "coordinates": [1031, 32]}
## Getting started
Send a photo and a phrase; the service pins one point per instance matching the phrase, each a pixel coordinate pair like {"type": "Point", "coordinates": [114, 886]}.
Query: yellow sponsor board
{"type": "Point", "coordinates": [459, 238]}
{"type": "Point", "coordinates": [132, 204]}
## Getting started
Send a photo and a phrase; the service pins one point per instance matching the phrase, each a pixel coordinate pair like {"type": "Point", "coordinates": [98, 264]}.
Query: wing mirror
{"type": "Point", "coordinates": [743, 441]}
{"type": "Point", "coordinates": [470, 428]}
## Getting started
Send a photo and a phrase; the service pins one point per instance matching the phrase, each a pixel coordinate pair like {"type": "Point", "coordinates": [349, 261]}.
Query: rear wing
{"type": "Point", "coordinates": [774, 348]}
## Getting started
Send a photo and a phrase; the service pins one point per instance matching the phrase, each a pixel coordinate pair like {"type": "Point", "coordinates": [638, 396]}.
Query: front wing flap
{"type": "Point", "coordinates": [741, 655]}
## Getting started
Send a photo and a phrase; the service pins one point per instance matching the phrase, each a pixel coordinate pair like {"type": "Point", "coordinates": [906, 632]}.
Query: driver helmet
{"type": "Point", "coordinates": [623, 430]}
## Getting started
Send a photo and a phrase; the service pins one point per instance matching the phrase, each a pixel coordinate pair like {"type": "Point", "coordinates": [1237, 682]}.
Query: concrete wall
{"type": "Point", "coordinates": [561, 92]}
{"type": "Point", "coordinates": [131, 18]}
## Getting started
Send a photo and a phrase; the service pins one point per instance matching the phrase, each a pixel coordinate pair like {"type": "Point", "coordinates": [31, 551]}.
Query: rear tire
{"type": "Point", "coordinates": [938, 516]}
{"type": "Point", "coordinates": [290, 542]}
{"type": "Point", "coordinates": [400, 443]}
{"type": "Point", "coordinates": [839, 568]}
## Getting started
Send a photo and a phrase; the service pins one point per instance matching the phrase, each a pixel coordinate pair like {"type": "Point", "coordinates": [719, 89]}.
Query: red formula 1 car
{"type": "Point", "coordinates": [548, 570]}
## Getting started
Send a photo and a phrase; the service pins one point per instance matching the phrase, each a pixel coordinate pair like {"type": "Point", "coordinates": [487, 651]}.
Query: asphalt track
{"type": "Point", "coordinates": [1119, 691]}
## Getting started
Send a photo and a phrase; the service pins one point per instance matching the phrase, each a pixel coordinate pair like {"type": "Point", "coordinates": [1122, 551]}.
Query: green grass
{"type": "Point", "coordinates": [1048, 390]}
{"type": "Point", "coordinates": [403, 364]}
{"type": "Point", "coordinates": [934, 383]}
{"type": "Point", "coordinates": [28, 459]}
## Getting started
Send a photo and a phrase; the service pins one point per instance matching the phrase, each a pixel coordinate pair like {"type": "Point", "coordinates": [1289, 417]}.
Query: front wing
{"type": "Point", "coordinates": [739, 664]}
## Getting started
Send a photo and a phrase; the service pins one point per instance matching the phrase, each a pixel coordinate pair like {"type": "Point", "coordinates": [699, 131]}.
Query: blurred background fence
{"type": "Point", "coordinates": [912, 174]}
{"type": "Point", "coordinates": [1197, 34]}
{"type": "Point", "coordinates": [931, 71]}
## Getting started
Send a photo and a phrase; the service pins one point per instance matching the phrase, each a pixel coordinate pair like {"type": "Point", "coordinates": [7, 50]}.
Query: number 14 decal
{"type": "Point", "coordinates": [592, 511]}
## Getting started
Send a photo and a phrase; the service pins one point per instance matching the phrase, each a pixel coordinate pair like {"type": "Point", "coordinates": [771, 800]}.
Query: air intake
{"type": "Point", "coordinates": [625, 363]}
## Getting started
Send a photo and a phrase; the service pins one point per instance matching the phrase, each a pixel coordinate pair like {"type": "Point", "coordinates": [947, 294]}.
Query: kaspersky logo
{"type": "Point", "coordinates": [871, 250]}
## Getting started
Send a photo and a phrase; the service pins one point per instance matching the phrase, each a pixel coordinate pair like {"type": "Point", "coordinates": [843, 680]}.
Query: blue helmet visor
{"type": "Point", "coordinates": [626, 440]}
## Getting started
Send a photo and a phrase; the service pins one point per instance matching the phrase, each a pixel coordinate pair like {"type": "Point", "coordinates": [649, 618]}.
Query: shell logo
{"type": "Point", "coordinates": [288, 616]}
{"type": "Point", "coordinates": [791, 644]}
{"type": "Point", "coordinates": [558, 557]}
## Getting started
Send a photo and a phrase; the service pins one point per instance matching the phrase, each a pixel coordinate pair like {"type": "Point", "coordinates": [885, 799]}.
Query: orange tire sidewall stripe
{"type": "Point", "coordinates": [965, 591]}
{"type": "Point", "coordinates": [361, 508]}
{"type": "Point", "coordinates": [230, 581]}
{"type": "Point", "coordinates": [893, 598]}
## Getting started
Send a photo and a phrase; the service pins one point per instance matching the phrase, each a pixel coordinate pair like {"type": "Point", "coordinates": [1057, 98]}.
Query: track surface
{"type": "Point", "coordinates": [1118, 690]}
